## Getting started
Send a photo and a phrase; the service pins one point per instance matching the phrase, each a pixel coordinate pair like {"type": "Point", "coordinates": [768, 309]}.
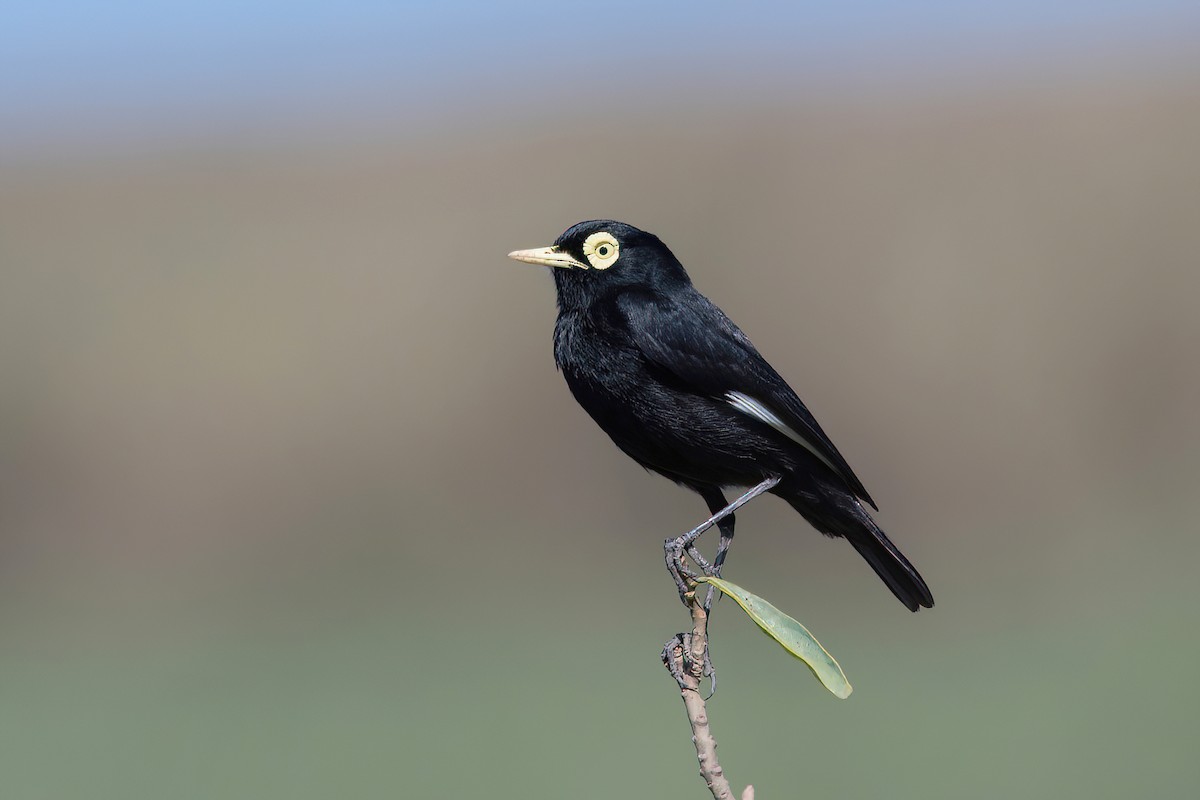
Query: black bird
{"type": "Point", "coordinates": [682, 391]}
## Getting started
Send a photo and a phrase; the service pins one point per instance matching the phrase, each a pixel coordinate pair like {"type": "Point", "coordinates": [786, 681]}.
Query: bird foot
{"type": "Point", "coordinates": [709, 671]}
{"type": "Point", "coordinates": [683, 575]}
{"type": "Point", "coordinates": [677, 656]}
{"type": "Point", "coordinates": [674, 656]}
{"type": "Point", "coordinates": [695, 555]}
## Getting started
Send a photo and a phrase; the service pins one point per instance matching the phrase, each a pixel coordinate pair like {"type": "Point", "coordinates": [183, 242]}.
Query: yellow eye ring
{"type": "Point", "coordinates": [601, 250]}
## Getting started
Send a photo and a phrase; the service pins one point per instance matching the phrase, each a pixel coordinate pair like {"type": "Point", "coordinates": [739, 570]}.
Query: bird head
{"type": "Point", "coordinates": [595, 258]}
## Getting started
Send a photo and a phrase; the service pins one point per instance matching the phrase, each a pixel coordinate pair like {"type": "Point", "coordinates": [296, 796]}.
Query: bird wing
{"type": "Point", "coordinates": [689, 337]}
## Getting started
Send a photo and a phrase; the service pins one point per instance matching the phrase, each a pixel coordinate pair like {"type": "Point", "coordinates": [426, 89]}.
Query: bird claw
{"type": "Point", "coordinates": [677, 666]}
{"type": "Point", "coordinates": [682, 666]}
{"type": "Point", "coordinates": [709, 671]}
{"type": "Point", "coordinates": [685, 577]}
{"type": "Point", "coordinates": [701, 562]}
{"type": "Point", "coordinates": [680, 572]}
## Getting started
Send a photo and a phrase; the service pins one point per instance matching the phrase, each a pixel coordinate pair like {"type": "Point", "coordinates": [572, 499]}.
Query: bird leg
{"type": "Point", "coordinates": [715, 499]}
{"type": "Point", "coordinates": [674, 549]}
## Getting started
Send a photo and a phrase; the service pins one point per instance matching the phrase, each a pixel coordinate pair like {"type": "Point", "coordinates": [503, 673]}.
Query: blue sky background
{"type": "Point", "coordinates": [92, 70]}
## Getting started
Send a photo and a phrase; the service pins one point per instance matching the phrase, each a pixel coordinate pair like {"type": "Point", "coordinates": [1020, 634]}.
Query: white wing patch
{"type": "Point", "coordinates": [752, 408]}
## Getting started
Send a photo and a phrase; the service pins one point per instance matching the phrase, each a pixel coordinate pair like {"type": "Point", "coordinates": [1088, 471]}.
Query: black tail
{"type": "Point", "coordinates": [837, 513]}
{"type": "Point", "coordinates": [891, 565]}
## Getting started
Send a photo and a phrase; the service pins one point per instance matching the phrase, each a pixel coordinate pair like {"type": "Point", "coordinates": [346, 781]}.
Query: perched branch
{"type": "Point", "coordinates": [686, 658]}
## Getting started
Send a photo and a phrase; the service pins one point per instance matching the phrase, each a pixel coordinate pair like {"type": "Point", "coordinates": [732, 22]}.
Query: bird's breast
{"type": "Point", "coordinates": [652, 416]}
{"type": "Point", "coordinates": [608, 374]}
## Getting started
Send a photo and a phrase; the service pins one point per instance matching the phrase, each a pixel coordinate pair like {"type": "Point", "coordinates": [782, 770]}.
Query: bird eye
{"type": "Point", "coordinates": [601, 250]}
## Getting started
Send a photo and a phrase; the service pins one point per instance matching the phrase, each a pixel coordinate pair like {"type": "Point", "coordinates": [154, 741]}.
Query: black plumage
{"type": "Point", "coordinates": [681, 390]}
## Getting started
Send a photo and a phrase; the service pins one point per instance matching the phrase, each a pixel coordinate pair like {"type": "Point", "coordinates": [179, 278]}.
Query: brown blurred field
{"type": "Point", "coordinates": [293, 504]}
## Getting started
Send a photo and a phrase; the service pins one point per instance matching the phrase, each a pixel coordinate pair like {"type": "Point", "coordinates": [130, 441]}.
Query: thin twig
{"type": "Point", "coordinates": [685, 656]}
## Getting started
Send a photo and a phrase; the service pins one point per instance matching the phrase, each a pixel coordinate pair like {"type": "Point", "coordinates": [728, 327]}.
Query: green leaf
{"type": "Point", "coordinates": [793, 636]}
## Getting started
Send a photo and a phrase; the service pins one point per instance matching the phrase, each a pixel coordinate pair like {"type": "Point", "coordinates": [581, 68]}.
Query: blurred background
{"type": "Point", "coordinates": [293, 503]}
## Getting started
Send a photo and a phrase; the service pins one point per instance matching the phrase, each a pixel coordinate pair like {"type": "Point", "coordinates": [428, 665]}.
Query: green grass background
{"type": "Point", "coordinates": [294, 505]}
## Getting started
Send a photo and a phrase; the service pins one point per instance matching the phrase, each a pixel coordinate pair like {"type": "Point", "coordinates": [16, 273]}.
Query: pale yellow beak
{"type": "Point", "coordinates": [547, 256]}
